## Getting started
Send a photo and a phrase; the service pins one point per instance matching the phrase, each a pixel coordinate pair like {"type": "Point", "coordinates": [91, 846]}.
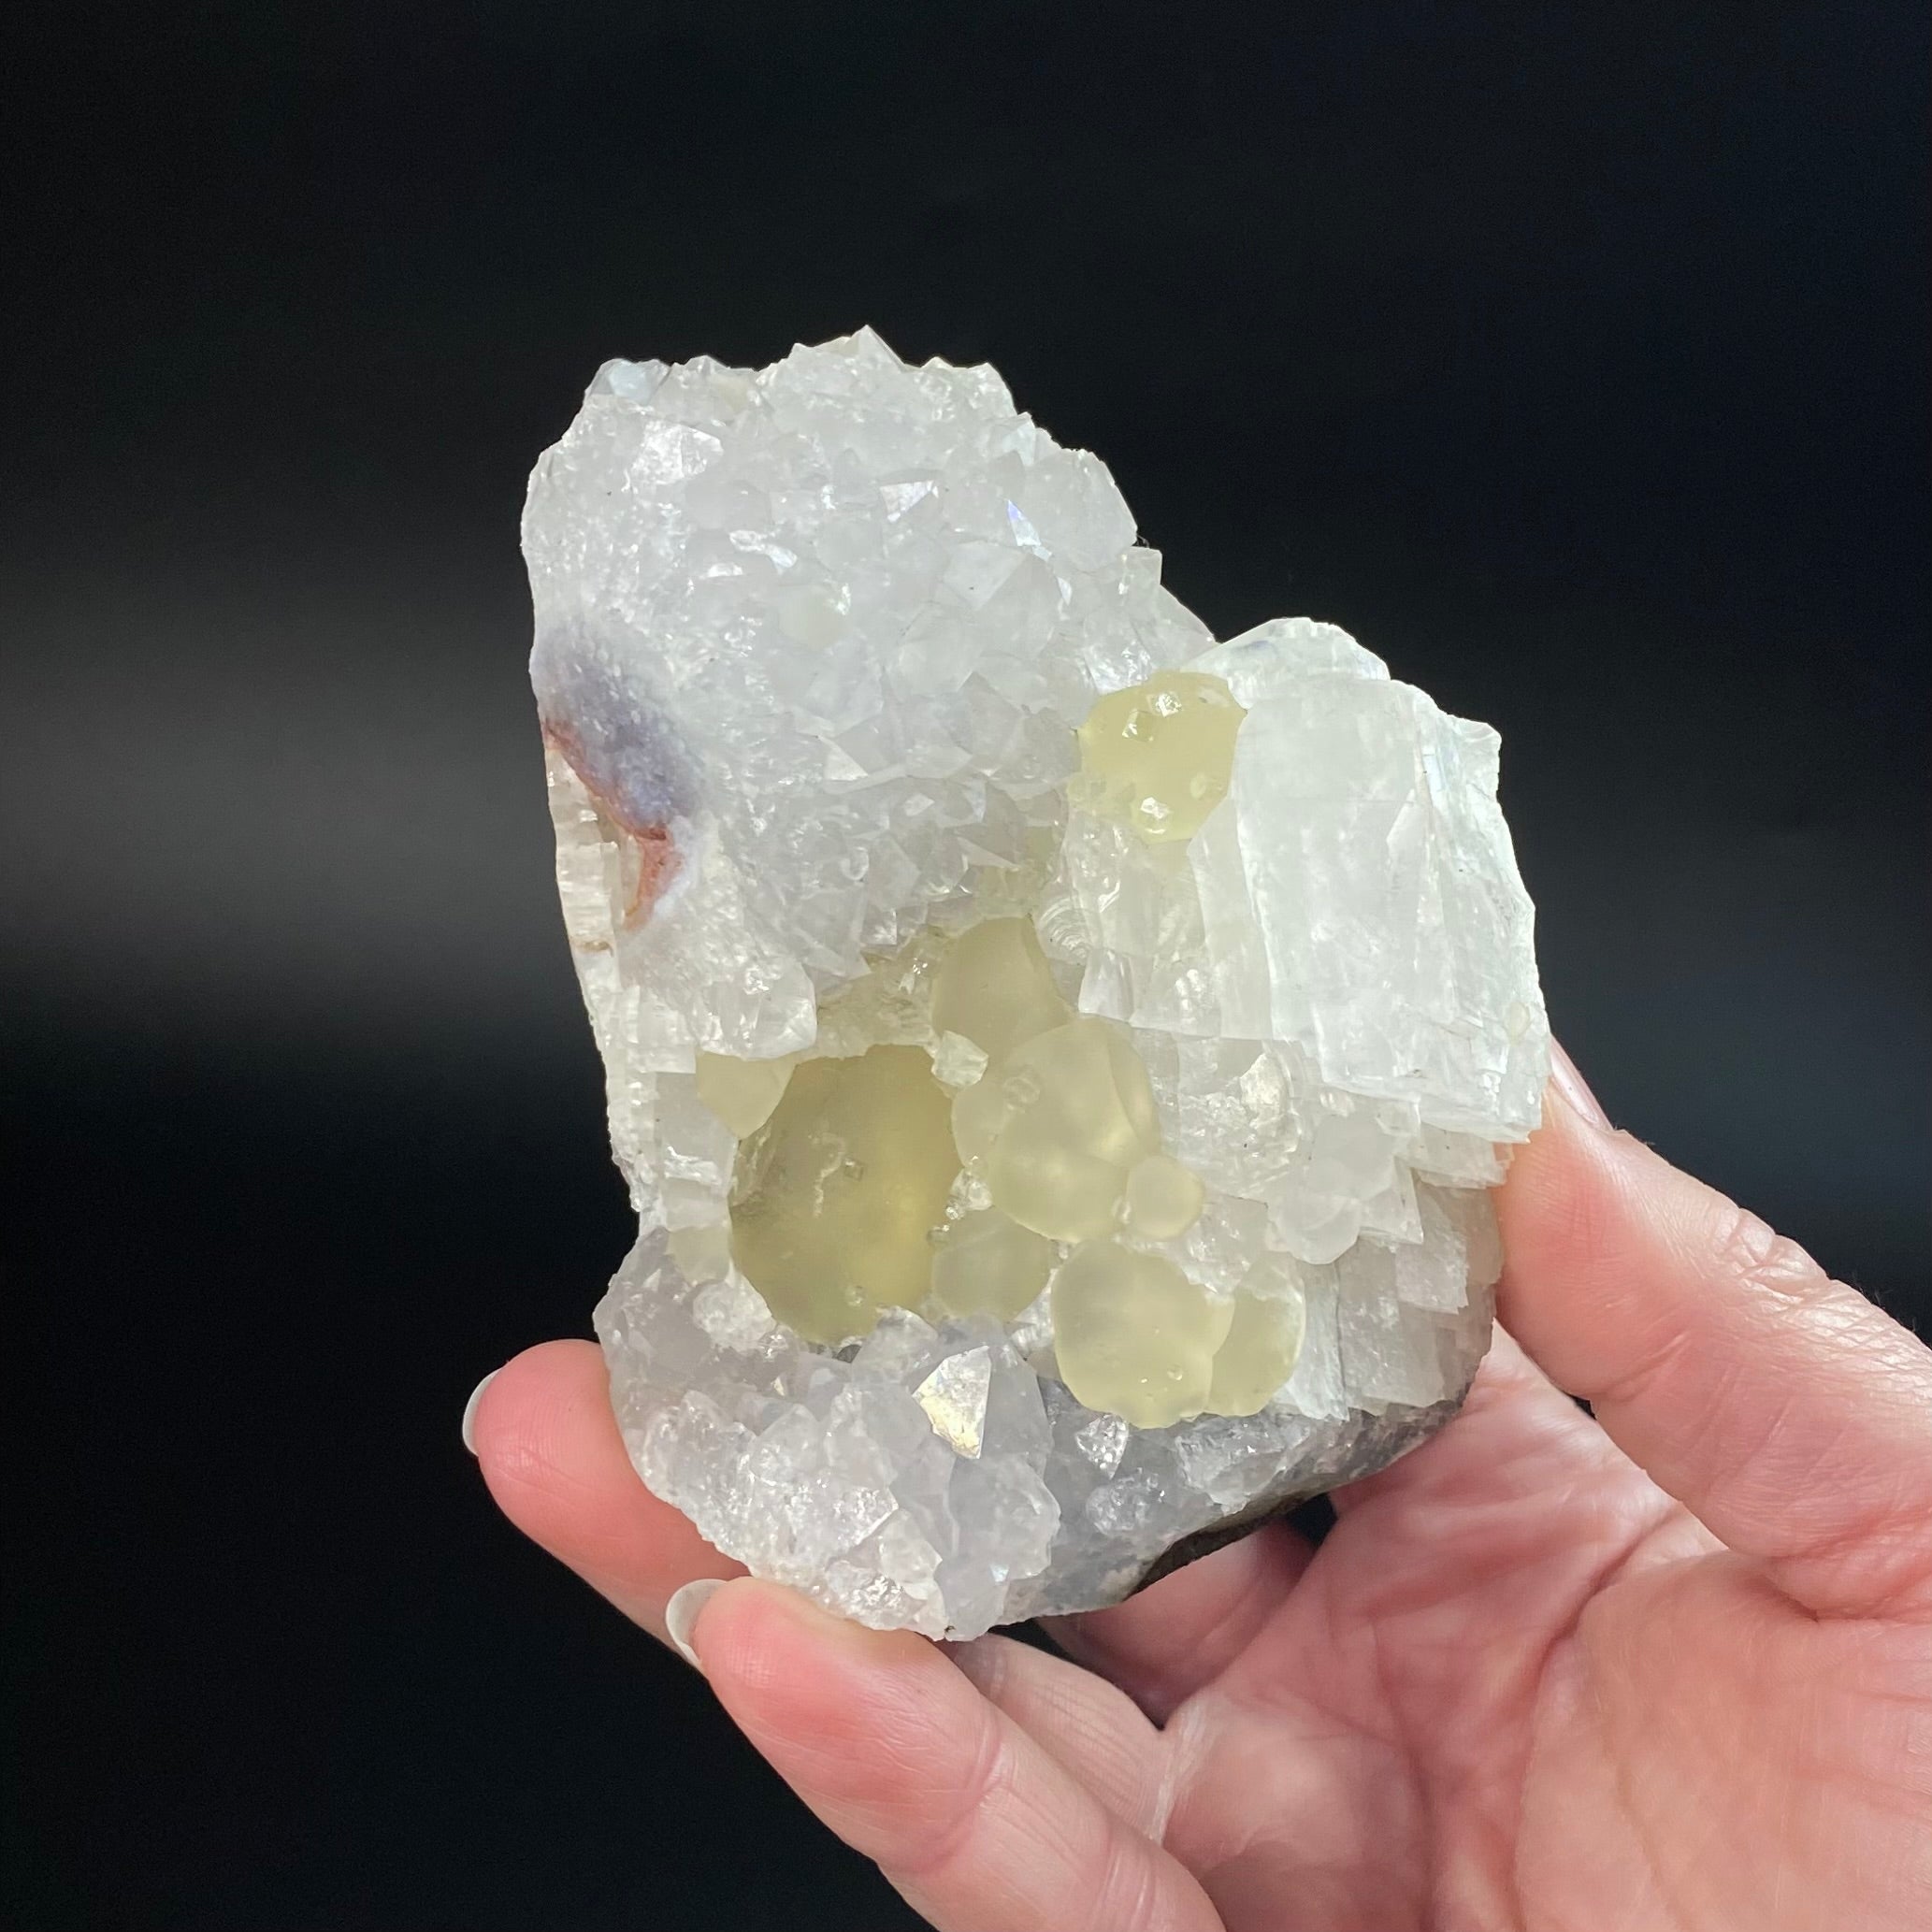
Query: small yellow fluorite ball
{"type": "Point", "coordinates": [743, 1092]}
{"type": "Point", "coordinates": [995, 988]}
{"type": "Point", "coordinates": [989, 1264]}
{"type": "Point", "coordinates": [1058, 1125]}
{"type": "Point", "coordinates": [1134, 1336]}
{"type": "Point", "coordinates": [1159, 755]}
{"type": "Point", "coordinates": [836, 1195]}
{"type": "Point", "coordinates": [1163, 1199]}
{"type": "Point", "coordinates": [1263, 1341]}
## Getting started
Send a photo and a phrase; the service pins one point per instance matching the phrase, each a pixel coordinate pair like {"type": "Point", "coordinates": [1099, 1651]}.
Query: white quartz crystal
{"type": "Point", "coordinates": [814, 643]}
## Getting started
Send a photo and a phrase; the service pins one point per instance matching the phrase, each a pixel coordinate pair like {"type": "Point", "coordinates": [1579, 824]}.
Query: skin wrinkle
{"type": "Point", "coordinates": [1231, 1859]}
{"type": "Point", "coordinates": [1893, 1540]}
{"type": "Point", "coordinates": [1429, 1854]}
{"type": "Point", "coordinates": [992, 1773]}
{"type": "Point", "coordinates": [1675, 1537]}
{"type": "Point", "coordinates": [1623, 1773]}
{"type": "Point", "coordinates": [1625, 1530]}
{"type": "Point", "coordinates": [1179, 1753]}
{"type": "Point", "coordinates": [1127, 1865]}
{"type": "Point", "coordinates": [1773, 1431]}
{"type": "Point", "coordinates": [1753, 1632]}
{"type": "Point", "coordinates": [1534, 1744]}
{"type": "Point", "coordinates": [1755, 1255]}
{"type": "Point", "coordinates": [1640, 1379]}
{"type": "Point", "coordinates": [1280, 1696]}
{"type": "Point", "coordinates": [1711, 1421]}
{"type": "Point", "coordinates": [1089, 1726]}
{"type": "Point", "coordinates": [1436, 1790]}
{"type": "Point", "coordinates": [1238, 1609]}
{"type": "Point", "coordinates": [1135, 1770]}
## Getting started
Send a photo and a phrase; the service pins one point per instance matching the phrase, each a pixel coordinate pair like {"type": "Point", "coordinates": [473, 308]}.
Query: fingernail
{"type": "Point", "coordinates": [470, 1411]}
{"type": "Point", "coordinates": [681, 1615]}
{"type": "Point", "coordinates": [1572, 1088]}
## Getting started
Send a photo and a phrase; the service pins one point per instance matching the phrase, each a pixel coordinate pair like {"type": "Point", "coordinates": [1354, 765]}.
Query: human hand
{"type": "Point", "coordinates": [1669, 1667]}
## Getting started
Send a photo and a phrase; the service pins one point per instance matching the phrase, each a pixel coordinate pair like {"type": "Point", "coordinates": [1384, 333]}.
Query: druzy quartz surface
{"type": "Point", "coordinates": [1058, 1061]}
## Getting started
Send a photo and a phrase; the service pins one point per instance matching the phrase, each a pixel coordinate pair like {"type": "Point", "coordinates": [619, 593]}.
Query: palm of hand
{"type": "Point", "coordinates": [1517, 1684]}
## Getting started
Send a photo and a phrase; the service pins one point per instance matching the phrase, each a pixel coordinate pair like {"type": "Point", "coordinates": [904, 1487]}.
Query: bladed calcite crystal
{"type": "Point", "coordinates": [1058, 1061]}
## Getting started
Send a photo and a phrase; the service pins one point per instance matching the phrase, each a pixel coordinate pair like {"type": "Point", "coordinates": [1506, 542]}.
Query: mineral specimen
{"type": "Point", "coordinates": [1058, 1061]}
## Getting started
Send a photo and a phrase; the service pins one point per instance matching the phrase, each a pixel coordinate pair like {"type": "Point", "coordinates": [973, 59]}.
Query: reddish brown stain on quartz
{"type": "Point", "coordinates": [658, 866]}
{"type": "Point", "coordinates": [657, 856]}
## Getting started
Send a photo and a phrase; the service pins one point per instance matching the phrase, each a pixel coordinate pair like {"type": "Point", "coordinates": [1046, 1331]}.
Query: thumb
{"type": "Point", "coordinates": [1780, 1407]}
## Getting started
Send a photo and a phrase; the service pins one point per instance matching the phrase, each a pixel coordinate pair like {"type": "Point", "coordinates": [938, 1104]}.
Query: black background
{"type": "Point", "coordinates": [1568, 354]}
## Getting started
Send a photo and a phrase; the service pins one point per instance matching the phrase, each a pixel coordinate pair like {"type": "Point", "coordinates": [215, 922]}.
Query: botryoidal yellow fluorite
{"type": "Point", "coordinates": [1160, 754]}
{"type": "Point", "coordinates": [847, 1196]}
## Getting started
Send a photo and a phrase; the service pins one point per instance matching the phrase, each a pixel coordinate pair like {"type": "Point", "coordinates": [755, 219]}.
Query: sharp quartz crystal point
{"type": "Point", "coordinates": [1058, 1060]}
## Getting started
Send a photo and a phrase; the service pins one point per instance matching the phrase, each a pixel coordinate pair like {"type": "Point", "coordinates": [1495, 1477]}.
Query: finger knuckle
{"type": "Point", "coordinates": [1757, 1257]}
{"type": "Point", "coordinates": [984, 1776]}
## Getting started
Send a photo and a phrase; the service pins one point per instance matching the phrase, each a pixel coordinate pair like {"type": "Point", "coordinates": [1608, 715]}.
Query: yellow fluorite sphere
{"type": "Point", "coordinates": [741, 1092]}
{"type": "Point", "coordinates": [1264, 1340]}
{"type": "Point", "coordinates": [1134, 1336]}
{"type": "Point", "coordinates": [989, 1264]}
{"type": "Point", "coordinates": [1058, 1125]}
{"type": "Point", "coordinates": [994, 987]}
{"type": "Point", "coordinates": [836, 1195]}
{"type": "Point", "coordinates": [1159, 755]}
{"type": "Point", "coordinates": [1163, 1199]}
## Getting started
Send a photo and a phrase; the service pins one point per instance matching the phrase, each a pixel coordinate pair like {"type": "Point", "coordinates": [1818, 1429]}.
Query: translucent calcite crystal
{"type": "Point", "coordinates": [1058, 1061]}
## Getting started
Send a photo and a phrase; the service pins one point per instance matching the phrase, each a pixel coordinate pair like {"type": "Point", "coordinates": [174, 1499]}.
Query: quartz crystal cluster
{"type": "Point", "coordinates": [1058, 1060]}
